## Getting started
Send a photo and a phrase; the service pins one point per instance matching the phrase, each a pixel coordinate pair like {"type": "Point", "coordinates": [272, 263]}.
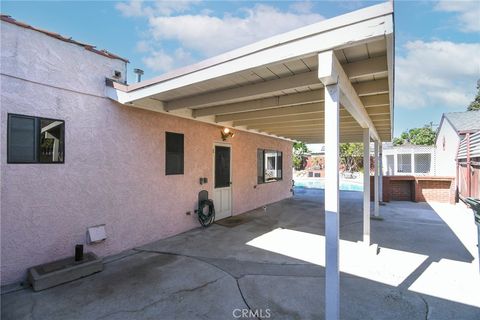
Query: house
{"type": "Point", "coordinates": [135, 156]}
{"type": "Point", "coordinates": [315, 165]}
{"type": "Point", "coordinates": [408, 159]}
{"type": "Point", "coordinates": [468, 166]}
{"type": "Point", "coordinates": [76, 159]}
{"type": "Point", "coordinates": [452, 129]}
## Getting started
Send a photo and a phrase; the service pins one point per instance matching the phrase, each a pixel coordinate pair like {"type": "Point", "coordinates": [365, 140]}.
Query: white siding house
{"type": "Point", "coordinates": [451, 131]}
{"type": "Point", "coordinates": [408, 159]}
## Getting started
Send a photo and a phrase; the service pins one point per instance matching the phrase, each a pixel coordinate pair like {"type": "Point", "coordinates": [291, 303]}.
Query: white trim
{"type": "Point", "coordinates": [380, 172]}
{"type": "Point", "coordinates": [391, 74]}
{"type": "Point", "coordinates": [366, 24]}
{"type": "Point", "coordinates": [330, 71]}
{"type": "Point", "coordinates": [332, 219]}
{"type": "Point", "coordinates": [376, 201]}
{"type": "Point", "coordinates": [229, 145]}
{"type": "Point", "coordinates": [366, 186]}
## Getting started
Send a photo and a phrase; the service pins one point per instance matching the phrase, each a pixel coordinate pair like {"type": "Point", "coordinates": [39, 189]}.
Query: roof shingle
{"type": "Point", "coordinates": [464, 121]}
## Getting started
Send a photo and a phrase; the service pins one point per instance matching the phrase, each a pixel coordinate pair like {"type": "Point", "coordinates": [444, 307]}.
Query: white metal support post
{"type": "Point", "coordinates": [376, 210]}
{"type": "Point", "coordinates": [332, 230]}
{"type": "Point", "coordinates": [380, 173]}
{"type": "Point", "coordinates": [366, 186]}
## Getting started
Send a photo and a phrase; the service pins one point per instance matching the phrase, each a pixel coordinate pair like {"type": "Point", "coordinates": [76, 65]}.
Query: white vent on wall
{"type": "Point", "coordinates": [96, 234]}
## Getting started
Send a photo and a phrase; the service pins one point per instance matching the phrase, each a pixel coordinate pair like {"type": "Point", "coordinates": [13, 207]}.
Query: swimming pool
{"type": "Point", "coordinates": [320, 184]}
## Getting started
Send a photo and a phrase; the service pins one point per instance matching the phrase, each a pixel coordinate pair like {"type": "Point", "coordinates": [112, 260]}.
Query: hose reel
{"type": "Point", "coordinates": [206, 209]}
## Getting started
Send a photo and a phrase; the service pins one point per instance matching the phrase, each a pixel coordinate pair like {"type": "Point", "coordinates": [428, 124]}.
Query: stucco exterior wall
{"type": "Point", "coordinates": [114, 170]}
{"type": "Point", "coordinates": [446, 150]}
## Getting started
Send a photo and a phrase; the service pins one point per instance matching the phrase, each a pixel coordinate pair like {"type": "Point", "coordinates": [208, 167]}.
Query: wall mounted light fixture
{"type": "Point", "coordinates": [226, 132]}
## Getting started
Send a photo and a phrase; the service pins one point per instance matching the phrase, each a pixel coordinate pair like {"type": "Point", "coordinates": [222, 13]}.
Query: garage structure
{"type": "Point", "coordinates": [329, 82]}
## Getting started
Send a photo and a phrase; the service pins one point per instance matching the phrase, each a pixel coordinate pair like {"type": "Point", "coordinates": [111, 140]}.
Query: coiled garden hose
{"type": "Point", "coordinates": [206, 212]}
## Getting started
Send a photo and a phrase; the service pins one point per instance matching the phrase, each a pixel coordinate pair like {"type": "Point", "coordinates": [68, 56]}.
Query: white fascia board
{"type": "Point", "coordinates": [343, 31]}
{"type": "Point", "coordinates": [371, 12]}
{"type": "Point", "coordinates": [330, 72]}
{"type": "Point", "coordinates": [117, 95]}
{"type": "Point", "coordinates": [390, 40]}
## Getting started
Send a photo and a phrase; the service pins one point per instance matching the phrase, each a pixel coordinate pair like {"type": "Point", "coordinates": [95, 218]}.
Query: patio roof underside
{"type": "Point", "coordinates": [284, 96]}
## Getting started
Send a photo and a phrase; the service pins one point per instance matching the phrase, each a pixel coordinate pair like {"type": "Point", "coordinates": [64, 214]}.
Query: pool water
{"type": "Point", "coordinates": [320, 184]}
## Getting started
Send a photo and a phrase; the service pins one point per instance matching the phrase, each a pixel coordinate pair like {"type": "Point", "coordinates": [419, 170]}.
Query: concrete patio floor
{"type": "Point", "coordinates": [272, 263]}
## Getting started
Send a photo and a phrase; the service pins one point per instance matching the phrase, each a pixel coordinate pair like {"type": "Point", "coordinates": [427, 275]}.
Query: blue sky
{"type": "Point", "coordinates": [437, 42]}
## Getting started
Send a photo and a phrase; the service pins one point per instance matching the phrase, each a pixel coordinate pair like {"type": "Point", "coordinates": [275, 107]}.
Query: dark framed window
{"type": "Point", "coordinates": [174, 153]}
{"type": "Point", "coordinates": [35, 140]}
{"type": "Point", "coordinates": [269, 165]}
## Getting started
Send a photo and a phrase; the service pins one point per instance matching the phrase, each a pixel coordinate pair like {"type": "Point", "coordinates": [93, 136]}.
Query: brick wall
{"type": "Point", "coordinates": [418, 189]}
{"type": "Point", "coordinates": [435, 190]}
{"type": "Point", "coordinates": [401, 190]}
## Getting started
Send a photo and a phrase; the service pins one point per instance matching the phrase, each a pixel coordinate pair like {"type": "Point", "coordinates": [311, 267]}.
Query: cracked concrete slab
{"type": "Point", "coordinates": [360, 299]}
{"type": "Point", "coordinates": [140, 286]}
{"type": "Point", "coordinates": [425, 269]}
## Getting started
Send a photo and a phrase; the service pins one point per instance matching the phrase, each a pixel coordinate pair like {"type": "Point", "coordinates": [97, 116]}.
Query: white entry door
{"type": "Point", "coordinates": [222, 179]}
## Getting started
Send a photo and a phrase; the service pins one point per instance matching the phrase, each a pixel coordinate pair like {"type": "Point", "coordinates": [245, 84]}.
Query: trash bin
{"type": "Point", "coordinates": [475, 205]}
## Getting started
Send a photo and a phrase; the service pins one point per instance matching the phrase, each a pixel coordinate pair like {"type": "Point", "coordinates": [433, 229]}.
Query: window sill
{"type": "Point", "coordinates": [272, 181]}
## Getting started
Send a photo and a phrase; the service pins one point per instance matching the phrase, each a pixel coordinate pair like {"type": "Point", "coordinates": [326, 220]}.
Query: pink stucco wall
{"type": "Point", "coordinates": [114, 170]}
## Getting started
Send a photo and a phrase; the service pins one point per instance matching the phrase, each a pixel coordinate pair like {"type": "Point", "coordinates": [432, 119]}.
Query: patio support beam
{"type": "Point", "coordinates": [251, 91]}
{"type": "Point", "coordinates": [305, 110]}
{"type": "Point", "coordinates": [364, 89]}
{"type": "Point", "coordinates": [332, 231]}
{"type": "Point", "coordinates": [308, 97]}
{"type": "Point", "coordinates": [346, 124]}
{"type": "Point", "coordinates": [376, 179]}
{"type": "Point", "coordinates": [330, 71]}
{"type": "Point", "coordinates": [366, 186]}
{"type": "Point", "coordinates": [372, 66]}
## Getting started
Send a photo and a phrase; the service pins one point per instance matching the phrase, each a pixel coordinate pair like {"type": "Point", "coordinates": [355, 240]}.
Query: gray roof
{"type": "Point", "coordinates": [464, 121]}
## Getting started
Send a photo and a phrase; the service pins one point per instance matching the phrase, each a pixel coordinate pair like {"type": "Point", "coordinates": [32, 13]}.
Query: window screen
{"type": "Point", "coordinates": [404, 163]}
{"type": "Point", "coordinates": [422, 162]}
{"type": "Point", "coordinates": [35, 140]}
{"type": "Point", "coordinates": [269, 165]}
{"type": "Point", "coordinates": [22, 139]}
{"type": "Point", "coordinates": [222, 167]}
{"type": "Point", "coordinates": [174, 153]}
{"type": "Point", "coordinates": [390, 165]}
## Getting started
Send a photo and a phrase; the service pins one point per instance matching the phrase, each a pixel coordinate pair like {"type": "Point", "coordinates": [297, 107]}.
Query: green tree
{"type": "Point", "coordinates": [475, 104]}
{"type": "Point", "coordinates": [299, 160]}
{"type": "Point", "coordinates": [418, 136]}
{"type": "Point", "coordinates": [351, 155]}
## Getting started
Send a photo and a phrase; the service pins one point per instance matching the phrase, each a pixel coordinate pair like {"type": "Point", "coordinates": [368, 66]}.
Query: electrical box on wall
{"type": "Point", "coordinates": [96, 234]}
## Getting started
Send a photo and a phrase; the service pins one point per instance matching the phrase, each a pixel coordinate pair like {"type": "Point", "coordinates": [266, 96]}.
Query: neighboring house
{"type": "Point", "coordinates": [452, 129]}
{"type": "Point", "coordinates": [72, 158]}
{"type": "Point", "coordinates": [408, 159]}
{"type": "Point", "coordinates": [315, 167]}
